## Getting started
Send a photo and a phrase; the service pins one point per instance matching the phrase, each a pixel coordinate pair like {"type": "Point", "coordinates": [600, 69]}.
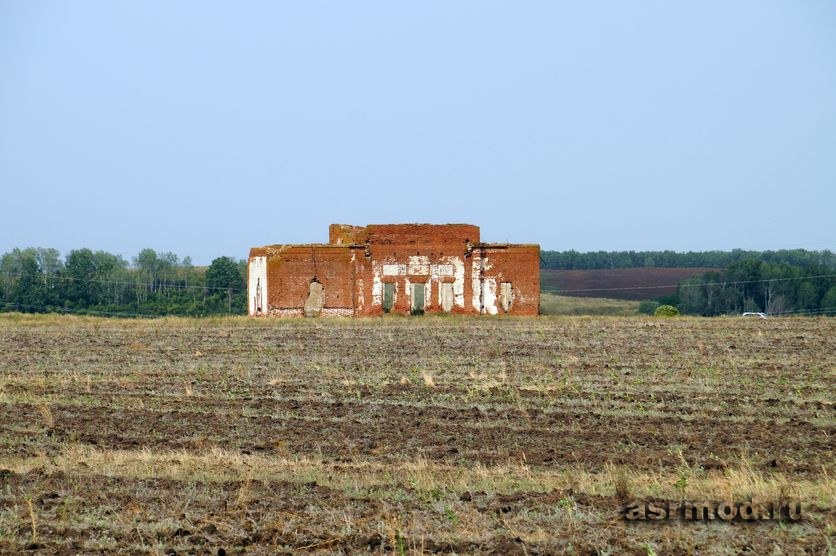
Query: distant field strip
{"type": "Point", "coordinates": [616, 283]}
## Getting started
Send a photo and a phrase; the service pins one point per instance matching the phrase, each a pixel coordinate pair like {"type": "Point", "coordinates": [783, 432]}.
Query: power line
{"type": "Point", "coordinates": [93, 312]}
{"type": "Point", "coordinates": [820, 311]}
{"type": "Point", "coordinates": [51, 309]}
{"type": "Point", "coordinates": [785, 246]}
{"type": "Point", "coordinates": [755, 248]}
{"type": "Point", "coordinates": [82, 312]}
{"type": "Point", "coordinates": [575, 290]}
{"type": "Point", "coordinates": [729, 283]}
{"type": "Point", "coordinates": [163, 285]}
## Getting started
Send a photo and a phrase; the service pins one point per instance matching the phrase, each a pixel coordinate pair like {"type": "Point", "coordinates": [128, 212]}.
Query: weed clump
{"type": "Point", "coordinates": [666, 311]}
{"type": "Point", "coordinates": [46, 416]}
{"type": "Point", "coordinates": [623, 489]}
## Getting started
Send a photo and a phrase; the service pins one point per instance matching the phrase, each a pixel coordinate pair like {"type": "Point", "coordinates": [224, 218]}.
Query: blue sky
{"type": "Point", "coordinates": [206, 128]}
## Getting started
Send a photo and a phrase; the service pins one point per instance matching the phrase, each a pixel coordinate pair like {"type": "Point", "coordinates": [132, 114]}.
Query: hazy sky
{"type": "Point", "coordinates": [207, 128]}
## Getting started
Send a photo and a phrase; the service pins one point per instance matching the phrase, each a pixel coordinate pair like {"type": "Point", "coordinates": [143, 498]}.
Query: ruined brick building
{"type": "Point", "coordinates": [395, 268]}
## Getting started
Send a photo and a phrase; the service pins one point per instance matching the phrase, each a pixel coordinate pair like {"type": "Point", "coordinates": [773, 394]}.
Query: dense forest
{"type": "Point", "coordinates": [758, 286]}
{"type": "Point", "coordinates": [38, 280]}
{"type": "Point", "coordinates": [574, 260]}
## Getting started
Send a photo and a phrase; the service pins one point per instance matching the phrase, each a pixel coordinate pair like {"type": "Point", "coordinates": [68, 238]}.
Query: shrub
{"type": "Point", "coordinates": [648, 306]}
{"type": "Point", "coordinates": [666, 311]}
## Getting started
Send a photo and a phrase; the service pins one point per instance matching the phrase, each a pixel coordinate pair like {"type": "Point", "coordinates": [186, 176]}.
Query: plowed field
{"type": "Point", "coordinates": [411, 434]}
{"type": "Point", "coordinates": [617, 283]}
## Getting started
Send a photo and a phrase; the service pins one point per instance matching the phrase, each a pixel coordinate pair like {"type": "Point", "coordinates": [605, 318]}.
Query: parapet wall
{"type": "Point", "coordinates": [428, 236]}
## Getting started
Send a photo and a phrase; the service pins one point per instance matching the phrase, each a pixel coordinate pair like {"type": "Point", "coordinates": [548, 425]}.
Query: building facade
{"type": "Point", "coordinates": [395, 268]}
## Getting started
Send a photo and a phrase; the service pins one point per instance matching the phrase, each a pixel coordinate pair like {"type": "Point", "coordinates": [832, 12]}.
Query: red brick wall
{"type": "Point", "coordinates": [394, 244]}
{"type": "Point", "coordinates": [428, 236]}
{"type": "Point", "coordinates": [520, 265]}
{"type": "Point", "coordinates": [345, 234]}
{"type": "Point", "coordinates": [291, 269]}
{"type": "Point", "coordinates": [348, 274]}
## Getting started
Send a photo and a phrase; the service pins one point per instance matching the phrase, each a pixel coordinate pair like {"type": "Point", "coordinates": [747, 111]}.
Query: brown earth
{"type": "Point", "coordinates": [617, 283]}
{"type": "Point", "coordinates": [410, 434]}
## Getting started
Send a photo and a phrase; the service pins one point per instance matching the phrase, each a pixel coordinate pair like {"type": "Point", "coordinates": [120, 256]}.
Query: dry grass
{"type": "Point", "coordinates": [32, 518]}
{"type": "Point", "coordinates": [738, 482]}
{"type": "Point", "coordinates": [46, 415]}
{"type": "Point", "coordinates": [551, 304]}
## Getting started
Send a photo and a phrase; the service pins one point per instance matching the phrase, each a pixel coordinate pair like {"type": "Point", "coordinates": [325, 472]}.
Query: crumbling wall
{"type": "Point", "coordinates": [316, 299]}
{"type": "Point", "coordinates": [345, 234]}
{"type": "Point", "coordinates": [362, 266]}
{"type": "Point", "coordinates": [518, 266]}
{"type": "Point", "coordinates": [431, 237]}
{"type": "Point", "coordinates": [257, 283]}
{"type": "Point", "coordinates": [408, 254]}
{"type": "Point", "coordinates": [292, 268]}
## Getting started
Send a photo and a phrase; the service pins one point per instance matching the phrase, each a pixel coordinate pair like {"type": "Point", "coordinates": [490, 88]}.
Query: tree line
{"type": "Point", "coordinates": [574, 260]}
{"type": "Point", "coordinates": [758, 286]}
{"type": "Point", "coordinates": [39, 280]}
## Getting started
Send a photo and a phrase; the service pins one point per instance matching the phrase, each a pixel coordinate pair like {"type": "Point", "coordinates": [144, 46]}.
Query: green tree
{"type": "Point", "coordinates": [223, 277]}
{"type": "Point", "coordinates": [691, 293]}
{"type": "Point", "coordinates": [81, 288]}
{"type": "Point", "coordinates": [30, 290]}
{"type": "Point", "coordinates": [828, 302]}
{"type": "Point", "coordinates": [112, 279]}
{"type": "Point", "coordinates": [224, 274]}
{"type": "Point", "coordinates": [146, 264]}
{"type": "Point", "coordinates": [648, 306]}
{"type": "Point", "coordinates": [807, 296]}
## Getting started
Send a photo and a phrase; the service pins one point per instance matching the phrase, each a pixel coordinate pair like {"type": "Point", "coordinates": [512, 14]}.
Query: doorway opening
{"type": "Point", "coordinates": [418, 299]}
{"type": "Point", "coordinates": [388, 296]}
